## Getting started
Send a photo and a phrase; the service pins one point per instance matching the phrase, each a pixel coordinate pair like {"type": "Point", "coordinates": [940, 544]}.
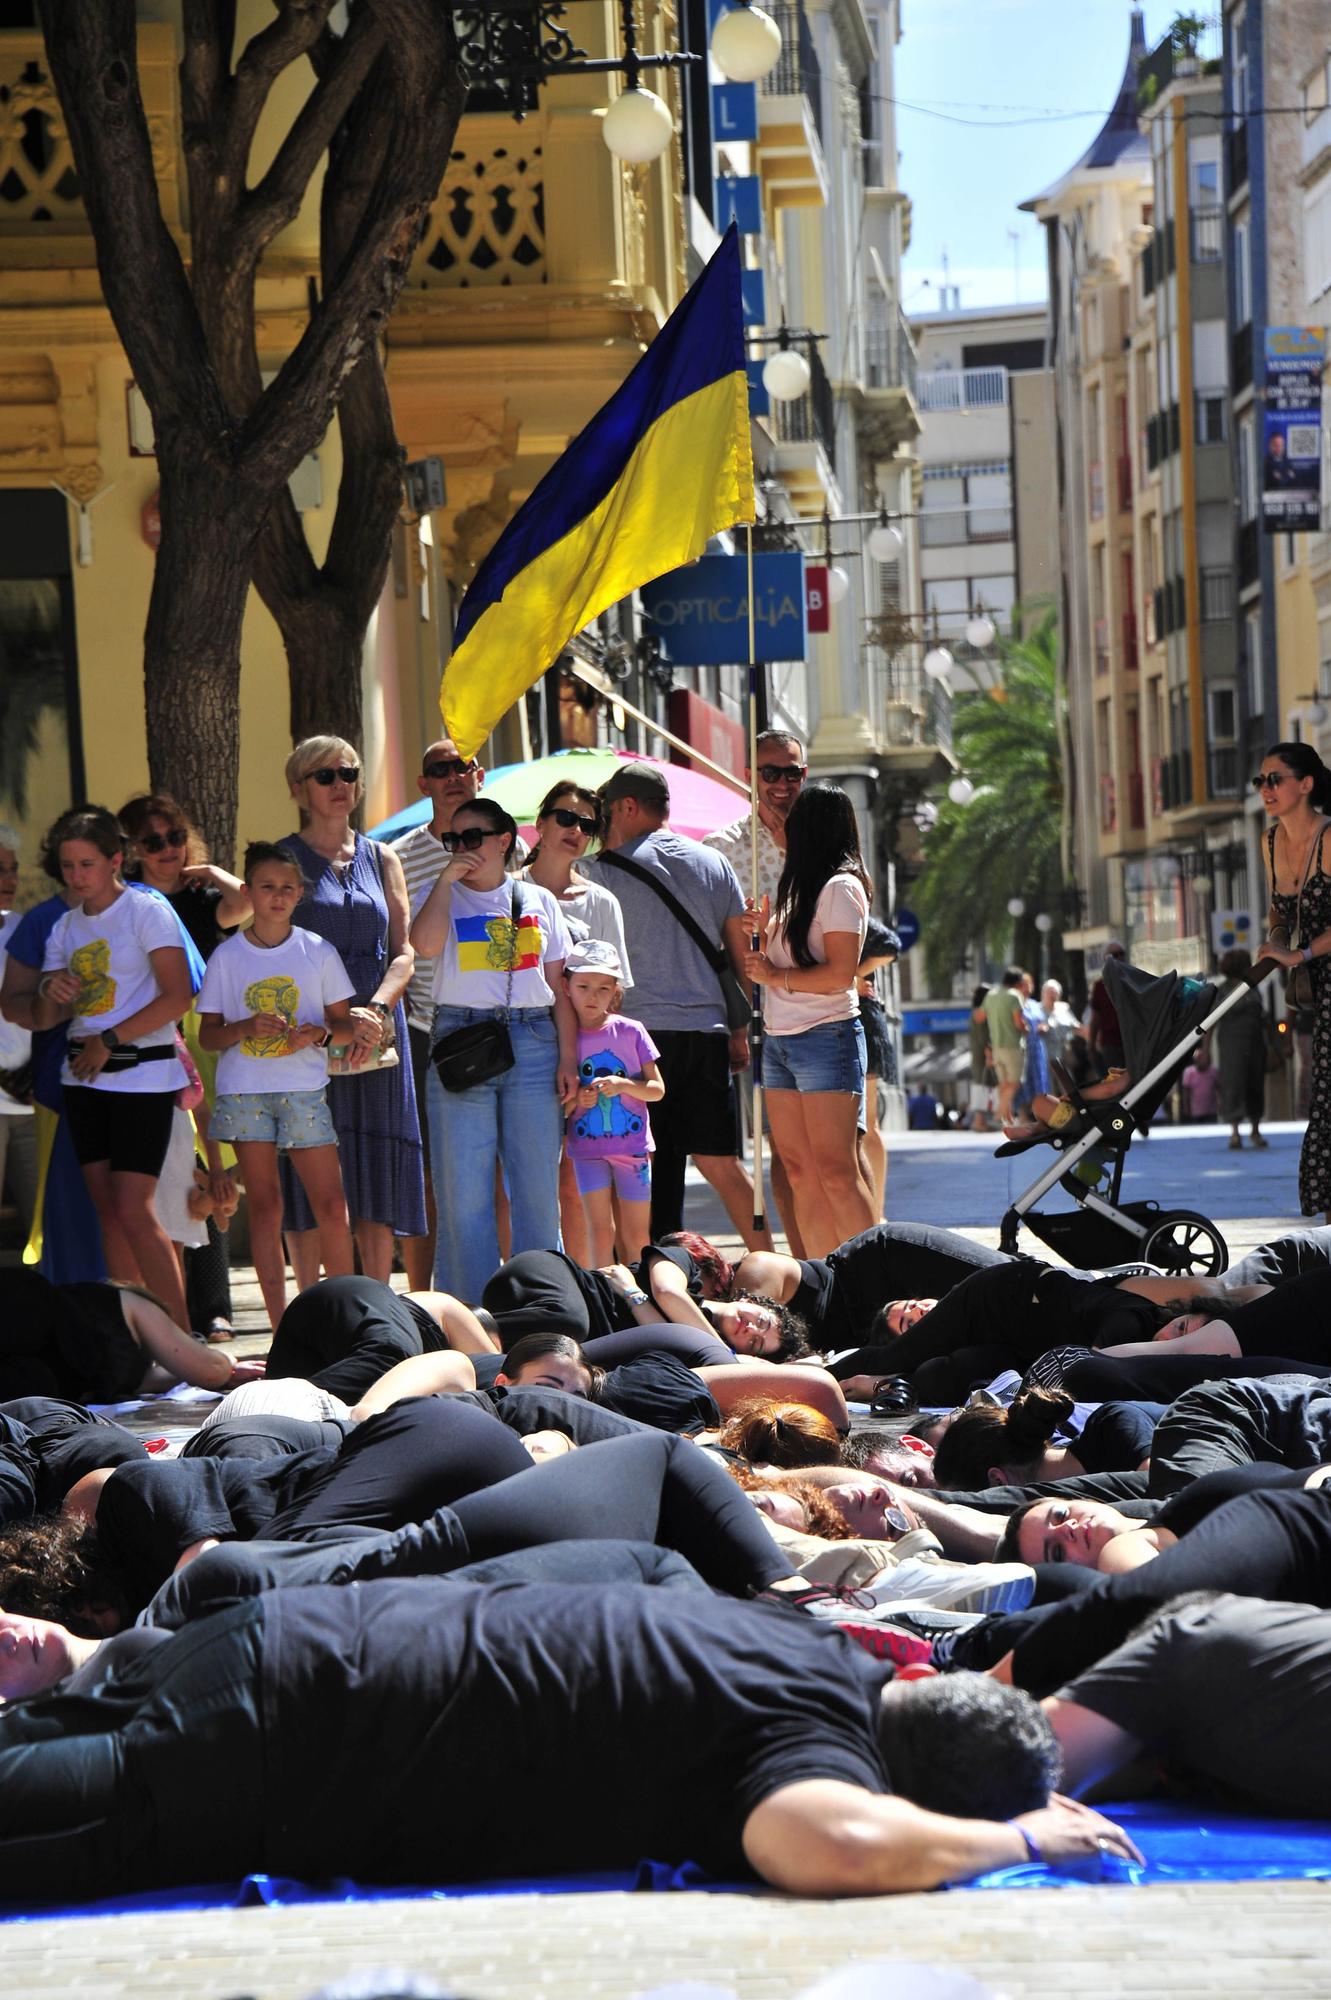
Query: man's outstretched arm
{"type": "Point", "coordinates": [825, 1838]}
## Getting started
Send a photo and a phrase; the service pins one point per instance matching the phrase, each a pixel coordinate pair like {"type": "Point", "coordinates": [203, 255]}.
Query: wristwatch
{"type": "Point", "coordinates": [110, 1038]}
{"type": "Point", "coordinates": [636, 1298]}
{"type": "Point", "coordinates": [380, 1007]}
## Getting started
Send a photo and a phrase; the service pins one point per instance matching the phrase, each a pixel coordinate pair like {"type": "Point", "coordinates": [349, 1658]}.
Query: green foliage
{"type": "Point", "coordinates": [1185, 33]}
{"type": "Point", "coordinates": [1006, 841]}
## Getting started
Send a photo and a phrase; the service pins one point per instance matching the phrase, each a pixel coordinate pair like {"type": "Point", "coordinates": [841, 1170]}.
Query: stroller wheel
{"type": "Point", "coordinates": [1185, 1244]}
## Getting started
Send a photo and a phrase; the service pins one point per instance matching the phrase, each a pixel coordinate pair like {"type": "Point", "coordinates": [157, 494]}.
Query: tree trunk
{"type": "Point", "coordinates": [192, 640]}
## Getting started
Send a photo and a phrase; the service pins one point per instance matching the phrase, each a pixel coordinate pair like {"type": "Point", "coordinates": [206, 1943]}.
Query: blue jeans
{"type": "Point", "coordinates": [515, 1119]}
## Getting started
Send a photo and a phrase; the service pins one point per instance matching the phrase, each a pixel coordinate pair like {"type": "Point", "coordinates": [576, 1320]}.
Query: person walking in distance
{"type": "Point", "coordinates": [1006, 1021]}
{"type": "Point", "coordinates": [679, 897]}
{"type": "Point", "coordinates": [782, 769]}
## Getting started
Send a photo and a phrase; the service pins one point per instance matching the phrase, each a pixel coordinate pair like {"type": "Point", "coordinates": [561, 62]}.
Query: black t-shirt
{"type": "Point", "coordinates": [820, 1305]}
{"type": "Point", "coordinates": [608, 1311]}
{"type": "Point", "coordinates": [151, 1511]}
{"type": "Point", "coordinates": [78, 1330]}
{"type": "Point", "coordinates": [1293, 1320]}
{"type": "Point", "coordinates": [1233, 1694]}
{"type": "Point", "coordinates": [196, 906]}
{"type": "Point", "coordinates": [658, 1389]}
{"type": "Point", "coordinates": [657, 1723]}
{"type": "Point", "coordinates": [1116, 1437]}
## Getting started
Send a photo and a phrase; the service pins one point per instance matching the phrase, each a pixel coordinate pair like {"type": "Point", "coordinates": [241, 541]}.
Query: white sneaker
{"type": "Point", "coordinates": [955, 1586]}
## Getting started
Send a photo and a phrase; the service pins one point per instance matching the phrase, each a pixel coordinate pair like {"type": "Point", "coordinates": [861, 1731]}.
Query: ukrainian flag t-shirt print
{"type": "Point", "coordinates": [485, 943]}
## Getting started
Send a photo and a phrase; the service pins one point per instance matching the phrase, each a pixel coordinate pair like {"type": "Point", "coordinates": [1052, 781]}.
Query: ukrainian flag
{"type": "Point", "coordinates": [665, 465]}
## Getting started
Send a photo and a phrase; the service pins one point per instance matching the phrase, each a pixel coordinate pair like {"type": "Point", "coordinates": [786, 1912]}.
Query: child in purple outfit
{"type": "Point", "coordinates": [609, 1131]}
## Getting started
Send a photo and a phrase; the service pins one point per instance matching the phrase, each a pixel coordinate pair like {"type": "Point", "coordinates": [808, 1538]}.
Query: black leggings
{"type": "Point", "coordinates": [1274, 1544]}
{"type": "Point", "coordinates": [537, 1292]}
{"type": "Point", "coordinates": [902, 1260]}
{"type": "Point", "coordinates": [268, 1436]}
{"type": "Point", "coordinates": [345, 1333]}
{"type": "Point", "coordinates": [1287, 1257]}
{"type": "Point", "coordinates": [1217, 1425]}
{"type": "Point", "coordinates": [1294, 1320]}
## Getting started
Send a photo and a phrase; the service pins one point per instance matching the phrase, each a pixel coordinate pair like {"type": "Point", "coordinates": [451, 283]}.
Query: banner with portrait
{"type": "Point", "coordinates": [1292, 430]}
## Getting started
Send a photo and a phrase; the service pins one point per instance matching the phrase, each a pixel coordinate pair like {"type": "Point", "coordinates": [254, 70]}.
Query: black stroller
{"type": "Point", "coordinates": [1162, 1018]}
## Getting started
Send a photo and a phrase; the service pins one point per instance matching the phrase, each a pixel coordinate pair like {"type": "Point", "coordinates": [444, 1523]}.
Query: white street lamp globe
{"type": "Point", "coordinates": [885, 542]}
{"type": "Point", "coordinates": [961, 791]}
{"type": "Point", "coordinates": [786, 375]}
{"type": "Point", "coordinates": [838, 585]}
{"type": "Point", "coordinates": [638, 126]}
{"type": "Point", "coordinates": [1016, 906]}
{"type": "Point", "coordinates": [938, 663]}
{"type": "Point", "coordinates": [746, 44]}
{"type": "Point", "coordinates": [980, 631]}
{"type": "Point", "coordinates": [1315, 713]}
{"type": "Point", "coordinates": [1044, 923]}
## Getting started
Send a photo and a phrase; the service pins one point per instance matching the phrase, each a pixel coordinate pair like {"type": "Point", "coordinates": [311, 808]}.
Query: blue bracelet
{"type": "Point", "coordinates": [1032, 1851]}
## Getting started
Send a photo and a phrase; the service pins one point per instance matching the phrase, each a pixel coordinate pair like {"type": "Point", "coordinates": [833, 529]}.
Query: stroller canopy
{"type": "Point", "coordinates": [1157, 1012]}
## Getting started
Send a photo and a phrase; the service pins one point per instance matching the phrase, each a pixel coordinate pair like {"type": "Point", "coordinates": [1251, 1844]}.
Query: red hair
{"type": "Point", "coordinates": [717, 1275]}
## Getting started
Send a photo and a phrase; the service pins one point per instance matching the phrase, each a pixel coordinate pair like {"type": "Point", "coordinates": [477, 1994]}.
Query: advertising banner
{"type": "Point", "coordinates": [1292, 430]}
{"type": "Point", "coordinates": [701, 614]}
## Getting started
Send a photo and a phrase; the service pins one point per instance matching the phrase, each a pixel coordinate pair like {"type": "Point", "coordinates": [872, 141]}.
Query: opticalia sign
{"type": "Point", "coordinates": [1292, 430]}
{"type": "Point", "coordinates": [701, 614]}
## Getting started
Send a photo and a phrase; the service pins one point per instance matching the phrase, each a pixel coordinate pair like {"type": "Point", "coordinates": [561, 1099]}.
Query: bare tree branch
{"type": "Point", "coordinates": [298, 27]}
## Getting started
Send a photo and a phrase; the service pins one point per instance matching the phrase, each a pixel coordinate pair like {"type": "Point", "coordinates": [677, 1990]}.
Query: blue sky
{"type": "Point", "coordinates": [1026, 59]}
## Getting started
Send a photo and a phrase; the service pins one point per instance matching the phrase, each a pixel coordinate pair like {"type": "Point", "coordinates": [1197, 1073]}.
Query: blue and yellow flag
{"type": "Point", "coordinates": [665, 465]}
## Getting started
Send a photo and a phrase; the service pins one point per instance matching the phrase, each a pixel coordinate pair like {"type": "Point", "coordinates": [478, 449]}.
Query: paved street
{"type": "Point", "coordinates": [1190, 1940]}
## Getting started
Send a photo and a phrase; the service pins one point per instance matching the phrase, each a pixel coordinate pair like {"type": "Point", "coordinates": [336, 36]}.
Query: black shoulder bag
{"type": "Point", "coordinates": [737, 1009]}
{"type": "Point", "coordinates": [481, 1049]}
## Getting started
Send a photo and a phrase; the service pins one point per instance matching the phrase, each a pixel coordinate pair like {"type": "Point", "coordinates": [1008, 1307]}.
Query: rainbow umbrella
{"type": "Point", "coordinates": [699, 804]}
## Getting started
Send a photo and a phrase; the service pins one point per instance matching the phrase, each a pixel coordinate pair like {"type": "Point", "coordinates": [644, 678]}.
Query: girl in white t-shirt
{"type": "Point", "coordinates": [116, 970]}
{"type": "Point", "coordinates": [814, 1058]}
{"type": "Point", "coordinates": [270, 998]}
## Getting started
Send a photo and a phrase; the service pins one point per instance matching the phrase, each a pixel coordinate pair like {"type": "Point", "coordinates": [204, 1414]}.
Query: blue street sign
{"type": "Point", "coordinates": [907, 927]}
{"type": "Point", "coordinates": [700, 614]}
{"type": "Point", "coordinates": [739, 200]}
{"type": "Point", "coordinates": [734, 112]}
{"type": "Point", "coordinates": [760, 402]}
{"type": "Point", "coordinates": [940, 1020]}
{"type": "Point", "coordinates": [753, 291]}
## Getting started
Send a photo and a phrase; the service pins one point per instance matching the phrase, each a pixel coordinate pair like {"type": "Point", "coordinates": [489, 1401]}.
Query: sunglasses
{"type": "Point", "coordinates": [470, 838]}
{"type": "Point", "coordinates": [328, 774]}
{"type": "Point", "coordinates": [156, 843]}
{"type": "Point", "coordinates": [450, 767]}
{"type": "Point", "coordinates": [1269, 781]}
{"type": "Point", "coordinates": [563, 817]}
{"type": "Point", "coordinates": [773, 774]}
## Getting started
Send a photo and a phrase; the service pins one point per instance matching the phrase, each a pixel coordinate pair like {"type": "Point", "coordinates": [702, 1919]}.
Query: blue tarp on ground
{"type": "Point", "coordinates": [1178, 1846]}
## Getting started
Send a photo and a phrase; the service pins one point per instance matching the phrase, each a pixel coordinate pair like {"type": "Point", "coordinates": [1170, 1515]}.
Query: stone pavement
{"type": "Point", "coordinates": [1079, 1943]}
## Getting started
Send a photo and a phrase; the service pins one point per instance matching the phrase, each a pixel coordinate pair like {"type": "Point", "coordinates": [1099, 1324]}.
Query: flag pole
{"type": "Point", "coordinates": [756, 994]}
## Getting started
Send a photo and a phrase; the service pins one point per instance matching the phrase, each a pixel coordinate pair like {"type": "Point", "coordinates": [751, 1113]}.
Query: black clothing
{"type": "Point", "coordinates": [528, 1410]}
{"type": "Point", "coordinates": [440, 1452]}
{"type": "Point", "coordinates": [662, 1720]}
{"type": "Point", "coordinates": [1241, 1423]}
{"type": "Point", "coordinates": [1024, 1308]}
{"type": "Point", "coordinates": [1234, 1695]}
{"type": "Point", "coordinates": [688, 1345]}
{"type": "Point", "coordinates": [66, 1441]}
{"type": "Point", "coordinates": [66, 1340]}
{"type": "Point", "coordinates": [696, 1115]}
{"type": "Point", "coordinates": [898, 1260]}
{"type": "Point", "coordinates": [1294, 1320]}
{"type": "Point", "coordinates": [660, 1390]}
{"type": "Point", "coordinates": [1285, 1257]}
{"type": "Point", "coordinates": [1274, 1544]}
{"type": "Point", "coordinates": [1117, 1437]}
{"type": "Point", "coordinates": [543, 1291]}
{"type": "Point", "coordinates": [345, 1333]}
{"type": "Point", "coordinates": [196, 905]}
{"type": "Point", "coordinates": [1126, 1491]}
{"type": "Point", "coordinates": [268, 1436]}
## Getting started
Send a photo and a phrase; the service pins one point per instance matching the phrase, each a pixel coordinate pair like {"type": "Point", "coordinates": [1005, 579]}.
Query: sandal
{"type": "Point", "coordinates": [892, 1397]}
{"type": "Point", "coordinates": [219, 1332]}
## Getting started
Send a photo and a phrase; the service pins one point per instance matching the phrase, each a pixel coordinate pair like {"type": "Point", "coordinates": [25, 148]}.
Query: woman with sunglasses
{"type": "Point", "coordinates": [500, 944]}
{"type": "Point", "coordinates": [1295, 788]}
{"type": "Point", "coordinates": [356, 898]}
{"type": "Point", "coordinates": [168, 854]}
{"type": "Point", "coordinates": [568, 820]}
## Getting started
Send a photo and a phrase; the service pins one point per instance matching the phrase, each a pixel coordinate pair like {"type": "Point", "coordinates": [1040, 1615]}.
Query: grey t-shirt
{"type": "Point", "coordinates": [1233, 1694]}
{"type": "Point", "coordinates": [674, 987]}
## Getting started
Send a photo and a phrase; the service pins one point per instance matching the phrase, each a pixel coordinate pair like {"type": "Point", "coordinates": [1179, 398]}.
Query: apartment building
{"type": "Point", "coordinates": [1314, 180]}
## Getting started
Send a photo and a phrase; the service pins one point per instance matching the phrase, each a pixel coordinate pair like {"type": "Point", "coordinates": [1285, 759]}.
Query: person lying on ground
{"type": "Point", "coordinates": [756, 1743]}
{"type": "Point", "coordinates": [1229, 1693]}
{"type": "Point", "coordinates": [100, 1343]}
{"type": "Point", "coordinates": [986, 1444]}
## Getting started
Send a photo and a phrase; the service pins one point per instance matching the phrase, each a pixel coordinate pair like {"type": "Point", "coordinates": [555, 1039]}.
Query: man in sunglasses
{"type": "Point", "coordinates": [782, 769]}
{"type": "Point", "coordinates": [448, 781]}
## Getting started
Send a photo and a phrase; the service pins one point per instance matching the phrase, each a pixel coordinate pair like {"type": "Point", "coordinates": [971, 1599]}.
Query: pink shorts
{"type": "Point", "coordinates": [630, 1176]}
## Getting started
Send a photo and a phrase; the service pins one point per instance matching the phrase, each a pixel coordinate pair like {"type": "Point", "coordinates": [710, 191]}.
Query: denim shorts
{"type": "Point", "coordinates": [629, 1174]}
{"type": "Point", "coordinates": [829, 1057]}
{"type": "Point", "coordinates": [291, 1120]}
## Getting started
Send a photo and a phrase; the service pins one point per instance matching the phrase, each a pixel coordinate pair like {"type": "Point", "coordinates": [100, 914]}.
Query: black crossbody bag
{"type": "Point", "coordinates": [482, 1049]}
{"type": "Point", "coordinates": [737, 1008]}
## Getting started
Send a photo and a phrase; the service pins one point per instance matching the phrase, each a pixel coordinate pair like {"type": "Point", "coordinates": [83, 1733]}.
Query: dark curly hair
{"type": "Point", "coordinates": [51, 1567]}
{"type": "Point", "coordinates": [793, 1342]}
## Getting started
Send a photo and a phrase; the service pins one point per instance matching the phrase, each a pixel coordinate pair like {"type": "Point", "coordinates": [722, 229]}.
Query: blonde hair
{"type": "Point", "coordinates": [316, 751]}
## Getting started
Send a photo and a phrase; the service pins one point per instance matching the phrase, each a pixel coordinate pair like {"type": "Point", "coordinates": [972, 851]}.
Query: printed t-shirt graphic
{"type": "Point", "coordinates": [615, 1127]}
{"type": "Point", "coordinates": [486, 944]}
{"type": "Point", "coordinates": [276, 995]}
{"type": "Point", "coordinates": [91, 966]}
{"type": "Point", "coordinates": [110, 954]}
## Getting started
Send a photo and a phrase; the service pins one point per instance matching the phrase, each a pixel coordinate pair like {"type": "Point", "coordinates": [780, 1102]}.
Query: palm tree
{"type": "Point", "coordinates": [1005, 843]}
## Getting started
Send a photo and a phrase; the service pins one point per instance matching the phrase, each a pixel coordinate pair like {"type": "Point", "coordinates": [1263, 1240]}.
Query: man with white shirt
{"type": "Point", "coordinates": [782, 769]}
{"type": "Point", "coordinates": [448, 781]}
